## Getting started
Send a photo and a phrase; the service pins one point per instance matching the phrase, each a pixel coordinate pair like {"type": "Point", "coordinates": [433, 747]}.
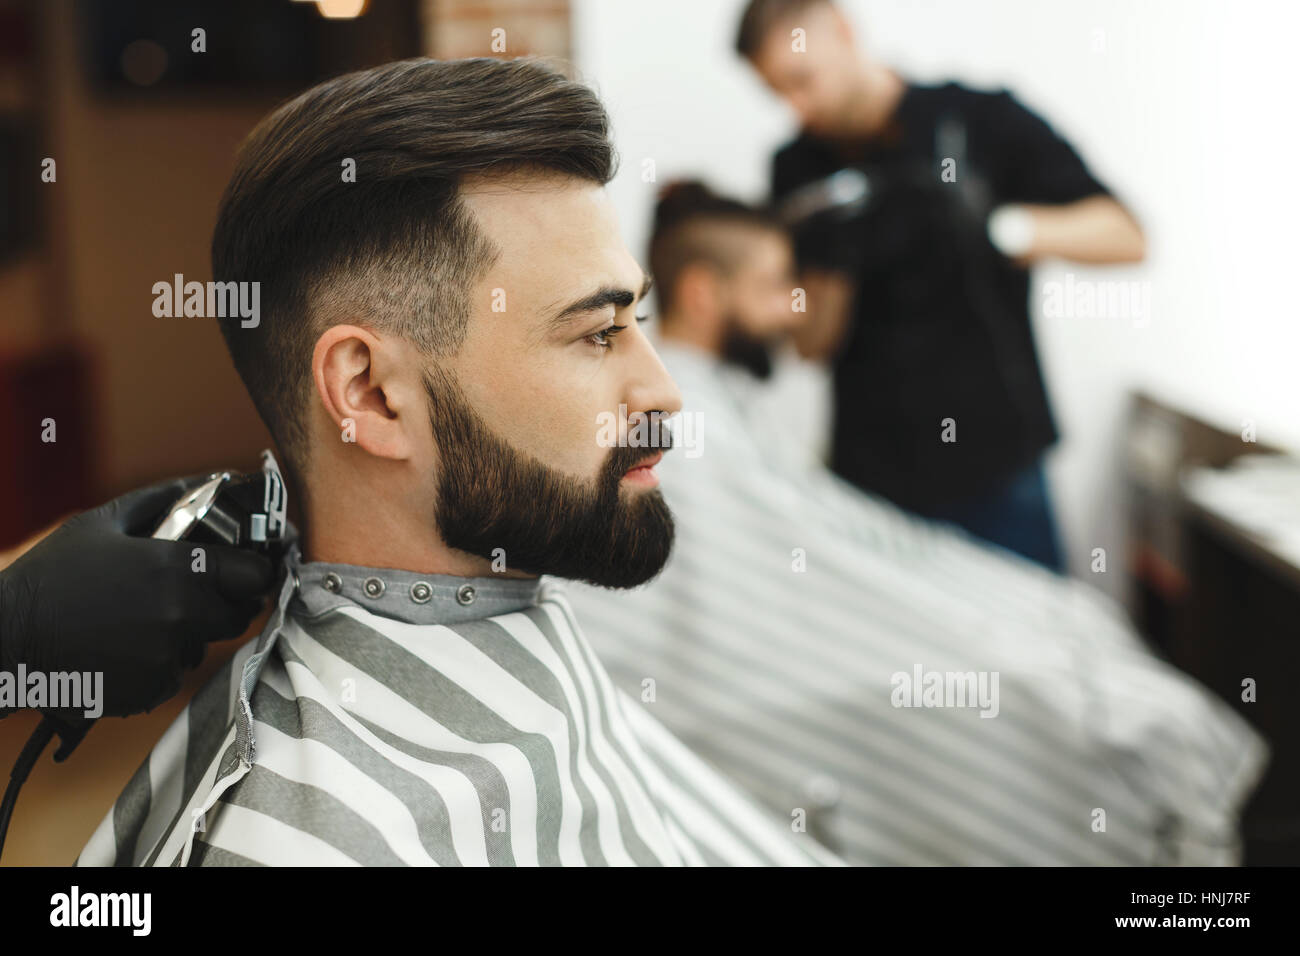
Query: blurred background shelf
{"type": "Point", "coordinates": [1215, 551]}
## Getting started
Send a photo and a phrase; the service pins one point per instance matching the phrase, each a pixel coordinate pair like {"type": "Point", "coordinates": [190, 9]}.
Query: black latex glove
{"type": "Point", "coordinates": [98, 594]}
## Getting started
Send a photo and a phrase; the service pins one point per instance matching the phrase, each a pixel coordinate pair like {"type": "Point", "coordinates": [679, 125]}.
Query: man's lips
{"type": "Point", "coordinates": [649, 462]}
{"type": "Point", "coordinates": [644, 472]}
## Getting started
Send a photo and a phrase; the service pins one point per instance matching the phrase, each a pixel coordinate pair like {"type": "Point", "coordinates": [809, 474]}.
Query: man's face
{"type": "Point", "coordinates": [821, 82]}
{"type": "Point", "coordinates": [521, 413]}
{"type": "Point", "coordinates": [760, 304]}
{"type": "Point", "coordinates": [760, 292]}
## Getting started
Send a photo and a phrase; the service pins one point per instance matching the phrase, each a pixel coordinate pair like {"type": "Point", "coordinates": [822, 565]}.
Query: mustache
{"type": "Point", "coordinates": [624, 457]}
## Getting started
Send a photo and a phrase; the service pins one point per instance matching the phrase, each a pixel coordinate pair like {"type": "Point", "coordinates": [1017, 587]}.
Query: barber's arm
{"type": "Point", "coordinates": [99, 595]}
{"type": "Point", "coordinates": [1095, 230]}
{"type": "Point", "coordinates": [1053, 207]}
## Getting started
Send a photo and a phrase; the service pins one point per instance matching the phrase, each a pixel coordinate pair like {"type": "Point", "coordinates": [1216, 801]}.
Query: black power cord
{"type": "Point", "coordinates": [32, 750]}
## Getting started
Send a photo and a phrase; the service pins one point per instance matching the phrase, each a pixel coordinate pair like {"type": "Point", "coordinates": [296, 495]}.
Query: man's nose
{"type": "Point", "coordinates": [652, 389]}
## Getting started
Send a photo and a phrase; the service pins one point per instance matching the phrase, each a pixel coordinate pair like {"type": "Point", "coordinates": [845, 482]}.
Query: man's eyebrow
{"type": "Point", "coordinates": [608, 295]}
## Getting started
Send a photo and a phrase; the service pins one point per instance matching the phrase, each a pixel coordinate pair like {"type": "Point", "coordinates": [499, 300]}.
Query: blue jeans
{"type": "Point", "coordinates": [1016, 515]}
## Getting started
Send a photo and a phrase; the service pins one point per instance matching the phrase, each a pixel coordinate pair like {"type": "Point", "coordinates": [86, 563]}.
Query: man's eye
{"type": "Point", "coordinates": [602, 339]}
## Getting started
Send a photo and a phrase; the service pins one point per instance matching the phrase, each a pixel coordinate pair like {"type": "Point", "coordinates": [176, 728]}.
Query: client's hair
{"type": "Point", "coordinates": [396, 249]}
{"type": "Point", "coordinates": [693, 224]}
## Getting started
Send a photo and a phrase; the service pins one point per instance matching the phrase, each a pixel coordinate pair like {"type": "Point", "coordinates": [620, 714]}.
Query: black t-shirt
{"type": "Point", "coordinates": [940, 327]}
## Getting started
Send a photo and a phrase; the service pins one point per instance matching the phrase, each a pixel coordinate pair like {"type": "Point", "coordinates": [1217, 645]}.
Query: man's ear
{"type": "Point", "coordinates": [698, 288]}
{"type": "Point", "coordinates": [358, 383]}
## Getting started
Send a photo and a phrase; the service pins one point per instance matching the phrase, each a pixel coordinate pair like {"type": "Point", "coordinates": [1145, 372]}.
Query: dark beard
{"type": "Point", "coordinates": [490, 496]}
{"type": "Point", "coordinates": [749, 353]}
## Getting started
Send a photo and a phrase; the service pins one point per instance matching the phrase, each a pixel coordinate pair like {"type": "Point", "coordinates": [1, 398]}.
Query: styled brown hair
{"type": "Point", "coordinates": [758, 19]}
{"type": "Point", "coordinates": [396, 249]}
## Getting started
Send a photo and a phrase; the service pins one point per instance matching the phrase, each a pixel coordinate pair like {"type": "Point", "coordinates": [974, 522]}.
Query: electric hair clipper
{"type": "Point", "coordinates": [243, 511]}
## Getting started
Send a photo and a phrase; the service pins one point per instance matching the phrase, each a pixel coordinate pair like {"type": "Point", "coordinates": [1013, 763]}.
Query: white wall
{"type": "Point", "coordinates": [1188, 113]}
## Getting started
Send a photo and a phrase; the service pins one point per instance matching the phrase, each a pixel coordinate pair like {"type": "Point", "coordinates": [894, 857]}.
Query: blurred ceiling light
{"type": "Point", "coordinates": [144, 62]}
{"type": "Point", "coordinates": [341, 9]}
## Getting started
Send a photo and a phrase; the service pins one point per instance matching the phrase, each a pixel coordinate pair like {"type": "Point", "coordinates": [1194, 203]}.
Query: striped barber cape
{"type": "Point", "coordinates": [806, 638]}
{"type": "Point", "coordinates": [388, 718]}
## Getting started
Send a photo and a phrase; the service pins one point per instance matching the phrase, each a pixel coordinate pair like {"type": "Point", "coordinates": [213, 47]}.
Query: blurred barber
{"type": "Point", "coordinates": [99, 595]}
{"type": "Point", "coordinates": [916, 265]}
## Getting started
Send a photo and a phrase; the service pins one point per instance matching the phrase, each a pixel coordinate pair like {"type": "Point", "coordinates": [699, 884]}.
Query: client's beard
{"type": "Point", "coordinates": [491, 496]}
{"type": "Point", "coordinates": [744, 350]}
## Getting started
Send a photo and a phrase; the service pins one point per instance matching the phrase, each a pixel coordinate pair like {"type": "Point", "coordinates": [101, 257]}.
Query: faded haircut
{"type": "Point", "coordinates": [397, 250]}
{"type": "Point", "coordinates": [693, 224]}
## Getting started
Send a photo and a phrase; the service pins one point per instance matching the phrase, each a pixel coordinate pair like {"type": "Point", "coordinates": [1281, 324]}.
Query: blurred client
{"type": "Point", "coordinates": [908, 693]}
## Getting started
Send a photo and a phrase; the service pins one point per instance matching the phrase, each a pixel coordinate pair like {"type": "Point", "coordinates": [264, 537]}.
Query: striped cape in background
{"type": "Point", "coordinates": [797, 611]}
{"type": "Point", "coordinates": [448, 721]}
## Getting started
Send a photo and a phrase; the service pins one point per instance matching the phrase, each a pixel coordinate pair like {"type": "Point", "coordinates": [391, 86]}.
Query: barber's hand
{"type": "Point", "coordinates": [98, 594]}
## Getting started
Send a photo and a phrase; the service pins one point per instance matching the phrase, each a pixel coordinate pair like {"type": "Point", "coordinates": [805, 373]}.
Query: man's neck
{"type": "Point", "coordinates": [880, 91]}
{"type": "Point", "coordinates": [342, 530]}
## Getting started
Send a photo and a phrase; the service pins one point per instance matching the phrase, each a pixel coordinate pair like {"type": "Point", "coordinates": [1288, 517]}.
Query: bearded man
{"type": "Point", "coordinates": [441, 333]}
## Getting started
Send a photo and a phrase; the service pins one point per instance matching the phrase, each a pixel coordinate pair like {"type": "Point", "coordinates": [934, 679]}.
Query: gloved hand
{"type": "Point", "coordinates": [98, 594]}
